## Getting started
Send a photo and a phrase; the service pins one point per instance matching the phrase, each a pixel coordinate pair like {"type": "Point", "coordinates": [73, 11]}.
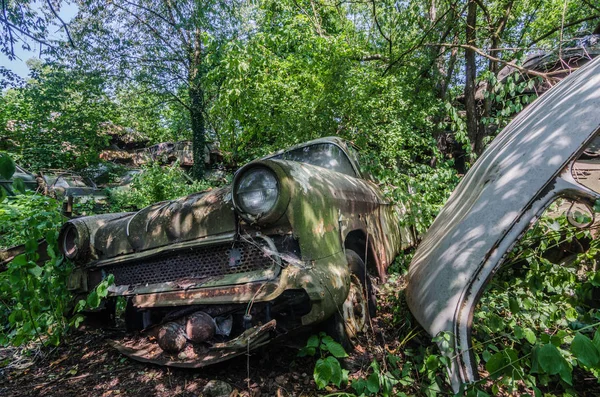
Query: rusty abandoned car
{"type": "Point", "coordinates": [211, 275]}
{"type": "Point", "coordinates": [549, 151]}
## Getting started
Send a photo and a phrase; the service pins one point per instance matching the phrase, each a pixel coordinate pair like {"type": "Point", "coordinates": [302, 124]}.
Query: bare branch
{"type": "Point", "coordinates": [374, 57]}
{"type": "Point", "coordinates": [61, 21]}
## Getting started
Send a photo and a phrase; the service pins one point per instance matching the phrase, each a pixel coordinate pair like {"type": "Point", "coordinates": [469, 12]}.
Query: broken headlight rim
{"type": "Point", "coordinates": [258, 195]}
{"type": "Point", "coordinates": [74, 241]}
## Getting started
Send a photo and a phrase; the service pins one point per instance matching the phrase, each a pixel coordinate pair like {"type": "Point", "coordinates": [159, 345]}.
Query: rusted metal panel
{"type": "Point", "coordinates": [525, 168]}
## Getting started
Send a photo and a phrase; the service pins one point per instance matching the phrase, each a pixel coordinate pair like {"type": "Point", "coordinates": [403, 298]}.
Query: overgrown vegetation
{"type": "Point", "coordinates": [537, 324]}
{"type": "Point", "coordinates": [419, 87]}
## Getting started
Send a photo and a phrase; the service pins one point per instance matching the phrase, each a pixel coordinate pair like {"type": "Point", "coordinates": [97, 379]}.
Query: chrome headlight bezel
{"type": "Point", "coordinates": [74, 241]}
{"type": "Point", "coordinates": [272, 180]}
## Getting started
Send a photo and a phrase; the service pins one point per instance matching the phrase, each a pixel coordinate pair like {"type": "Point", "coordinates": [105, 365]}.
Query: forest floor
{"type": "Point", "coordinates": [86, 365]}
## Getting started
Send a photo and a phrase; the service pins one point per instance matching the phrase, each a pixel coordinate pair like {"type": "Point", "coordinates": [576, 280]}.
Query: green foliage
{"type": "Point", "coordinates": [34, 300]}
{"type": "Point", "coordinates": [508, 97]}
{"type": "Point", "coordinates": [27, 217]}
{"type": "Point", "coordinates": [56, 119]}
{"type": "Point", "coordinates": [154, 184]}
{"type": "Point", "coordinates": [535, 324]}
{"type": "Point", "coordinates": [327, 368]}
{"type": "Point", "coordinates": [379, 383]}
{"type": "Point", "coordinates": [7, 166]}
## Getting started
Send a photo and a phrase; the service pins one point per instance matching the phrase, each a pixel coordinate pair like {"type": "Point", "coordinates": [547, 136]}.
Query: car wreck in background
{"type": "Point", "coordinates": [211, 275]}
{"type": "Point", "coordinates": [548, 151]}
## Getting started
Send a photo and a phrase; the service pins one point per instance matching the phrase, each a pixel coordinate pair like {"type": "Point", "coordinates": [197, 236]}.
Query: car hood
{"type": "Point", "coordinates": [525, 168]}
{"type": "Point", "coordinates": [188, 218]}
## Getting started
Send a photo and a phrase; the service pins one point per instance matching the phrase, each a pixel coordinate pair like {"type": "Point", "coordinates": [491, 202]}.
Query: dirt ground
{"type": "Point", "coordinates": [86, 365]}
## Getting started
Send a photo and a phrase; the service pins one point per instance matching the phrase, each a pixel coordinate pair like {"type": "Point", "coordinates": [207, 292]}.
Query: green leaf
{"type": "Point", "coordinates": [551, 361]}
{"type": "Point", "coordinates": [359, 386]}
{"type": "Point", "coordinates": [322, 373]}
{"type": "Point", "coordinates": [93, 300]}
{"type": "Point", "coordinates": [432, 362]}
{"type": "Point", "coordinates": [373, 383]}
{"type": "Point", "coordinates": [529, 336]}
{"type": "Point", "coordinates": [495, 364]}
{"type": "Point", "coordinates": [20, 260]}
{"type": "Point", "coordinates": [102, 290]}
{"type": "Point", "coordinates": [585, 351]}
{"type": "Point", "coordinates": [7, 166]}
{"type": "Point", "coordinates": [596, 340]}
{"type": "Point", "coordinates": [514, 305]}
{"type": "Point", "coordinates": [335, 348]}
{"type": "Point", "coordinates": [35, 271]}
{"type": "Point", "coordinates": [549, 358]}
{"type": "Point", "coordinates": [336, 370]}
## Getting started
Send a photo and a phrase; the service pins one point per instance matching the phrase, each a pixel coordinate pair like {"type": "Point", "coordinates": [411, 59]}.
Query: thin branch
{"type": "Point", "coordinates": [592, 6]}
{"type": "Point", "coordinates": [49, 2]}
{"type": "Point", "coordinates": [185, 105]}
{"type": "Point", "coordinates": [156, 14]}
{"type": "Point", "coordinates": [545, 76]}
{"type": "Point", "coordinates": [374, 57]}
{"type": "Point", "coordinates": [552, 31]}
{"type": "Point", "coordinates": [39, 40]}
{"type": "Point", "coordinates": [388, 39]}
{"type": "Point", "coordinates": [155, 32]}
{"type": "Point", "coordinates": [485, 12]}
{"type": "Point", "coordinates": [528, 22]}
{"type": "Point", "coordinates": [562, 29]}
{"type": "Point", "coordinates": [421, 40]}
{"type": "Point", "coordinates": [185, 37]}
{"type": "Point", "coordinates": [12, 49]}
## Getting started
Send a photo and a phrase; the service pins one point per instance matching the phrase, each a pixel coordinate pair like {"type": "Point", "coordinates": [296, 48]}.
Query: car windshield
{"type": "Point", "coordinates": [324, 155]}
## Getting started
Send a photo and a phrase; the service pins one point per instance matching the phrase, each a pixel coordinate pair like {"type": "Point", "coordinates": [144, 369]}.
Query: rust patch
{"type": "Point", "coordinates": [174, 298]}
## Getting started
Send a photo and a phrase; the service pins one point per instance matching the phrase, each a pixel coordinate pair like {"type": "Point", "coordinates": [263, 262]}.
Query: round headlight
{"type": "Point", "coordinates": [257, 191]}
{"type": "Point", "coordinates": [70, 242]}
{"type": "Point", "coordinates": [74, 240]}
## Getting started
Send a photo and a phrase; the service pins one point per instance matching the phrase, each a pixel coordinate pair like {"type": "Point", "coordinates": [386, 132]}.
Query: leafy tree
{"type": "Point", "coordinates": [57, 118]}
{"type": "Point", "coordinates": [166, 46]}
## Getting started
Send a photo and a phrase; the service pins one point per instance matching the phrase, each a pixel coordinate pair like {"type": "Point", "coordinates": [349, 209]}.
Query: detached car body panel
{"type": "Point", "coordinates": [271, 247]}
{"type": "Point", "coordinates": [524, 169]}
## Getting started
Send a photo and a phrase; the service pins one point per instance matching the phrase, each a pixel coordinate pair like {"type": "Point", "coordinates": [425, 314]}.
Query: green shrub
{"type": "Point", "coordinates": [156, 184]}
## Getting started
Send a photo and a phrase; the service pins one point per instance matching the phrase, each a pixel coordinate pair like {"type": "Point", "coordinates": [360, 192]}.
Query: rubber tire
{"type": "Point", "coordinates": [335, 326]}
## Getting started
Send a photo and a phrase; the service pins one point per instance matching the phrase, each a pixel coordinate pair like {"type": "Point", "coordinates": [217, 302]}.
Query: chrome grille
{"type": "Point", "coordinates": [194, 264]}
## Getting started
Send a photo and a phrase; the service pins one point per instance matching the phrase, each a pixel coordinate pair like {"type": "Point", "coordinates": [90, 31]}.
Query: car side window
{"type": "Point", "coordinates": [324, 155]}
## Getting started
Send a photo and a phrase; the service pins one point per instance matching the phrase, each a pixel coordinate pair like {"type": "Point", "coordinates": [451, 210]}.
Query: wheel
{"type": "Point", "coordinates": [353, 316]}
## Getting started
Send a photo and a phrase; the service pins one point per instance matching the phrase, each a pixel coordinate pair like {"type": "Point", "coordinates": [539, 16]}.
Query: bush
{"type": "Point", "coordinates": [156, 184]}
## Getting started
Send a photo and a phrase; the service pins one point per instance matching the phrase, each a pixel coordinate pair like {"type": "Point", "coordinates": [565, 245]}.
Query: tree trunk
{"type": "Point", "coordinates": [473, 132]}
{"type": "Point", "coordinates": [197, 105]}
{"type": "Point", "coordinates": [198, 129]}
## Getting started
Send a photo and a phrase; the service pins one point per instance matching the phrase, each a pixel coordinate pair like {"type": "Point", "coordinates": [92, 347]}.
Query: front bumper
{"type": "Point", "coordinates": [145, 350]}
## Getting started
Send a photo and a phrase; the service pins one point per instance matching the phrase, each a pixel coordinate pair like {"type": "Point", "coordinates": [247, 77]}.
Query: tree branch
{"type": "Point", "coordinates": [11, 39]}
{"type": "Point", "coordinates": [49, 2]}
{"type": "Point", "coordinates": [421, 40]}
{"type": "Point", "coordinates": [545, 76]}
{"type": "Point", "coordinates": [566, 25]}
{"type": "Point", "coordinates": [39, 40]}
{"type": "Point", "coordinates": [389, 40]}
